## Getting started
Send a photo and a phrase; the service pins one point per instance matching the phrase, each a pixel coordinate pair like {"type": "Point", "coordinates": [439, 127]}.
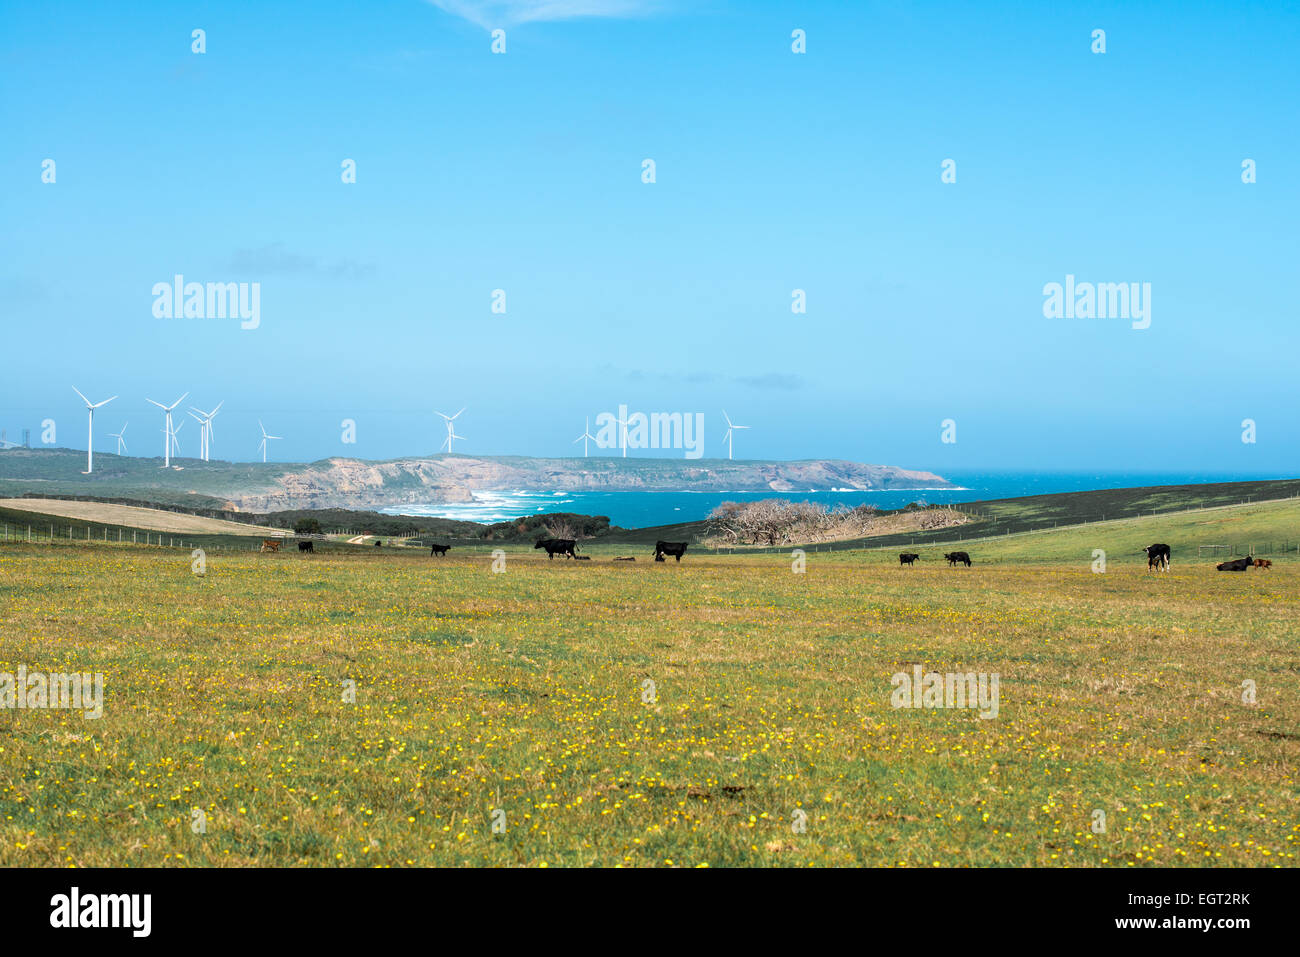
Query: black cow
{"type": "Point", "coordinates": [676, 549]}
{"type": "Point", "coordinates": [306, 547]}
{"type": "Point", "coordinates": [906, 558]}
{"type": "Point", "coordinates": [1236, 565]}
{"type": "Point", "coordinates": [1157, 557]}
{"type": "Point", "coordinates": [557, 546]}
{"type": "Point", "coordinates": [955, 557]}
{"type": "Point", "coordinates": [438, 550]}
{"type": "Point", "coordinates": [378, 543]}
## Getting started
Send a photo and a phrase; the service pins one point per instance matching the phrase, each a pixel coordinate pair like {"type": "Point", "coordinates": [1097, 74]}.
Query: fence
{"type": "Point", "coordinates": [49, 534]}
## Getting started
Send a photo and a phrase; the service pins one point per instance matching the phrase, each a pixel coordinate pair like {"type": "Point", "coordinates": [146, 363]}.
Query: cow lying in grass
{"type": "Point", "coordinates": [438, 550]}
{"type": "Point", "coordinates": [676, 549]}
{"type": "Point", "coordinates": [557, 546]}
{"type": "Point", "coordinates": [906, 558]}
{"type": "Point", "coordinates": [957, 557]}
{"type": "Point", "coordinates": [1236, 565]}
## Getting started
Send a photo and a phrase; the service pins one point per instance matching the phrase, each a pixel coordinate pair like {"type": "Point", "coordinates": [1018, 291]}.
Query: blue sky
{"type": "Point", "coordinates": [775, 171]}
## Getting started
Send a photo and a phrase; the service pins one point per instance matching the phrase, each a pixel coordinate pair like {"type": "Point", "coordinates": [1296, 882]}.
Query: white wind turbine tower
{"type": "Point", "coordinates": [205, 436]}
{"type": "Point", "coordinates": [731, 427]}
{"type": "Point", "coordinates": [451, 430]}
{"type": "Point", "coordinates": [585, 437]}
{"type": "Point", "coordinates": [169, 436]}
{"type": "Point", "coordinates": [90, 441]}
{"type": "Point", "coordinates": [172, 441]}
{"type": "Point", "coordinates": [265, 436]}
{"type": "Point", "coordinates": [121, 442]}
{"type": "Point", "coordinates": [623, 422]}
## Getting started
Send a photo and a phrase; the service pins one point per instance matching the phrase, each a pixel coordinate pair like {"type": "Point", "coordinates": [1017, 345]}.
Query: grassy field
{"type": "Point", "coordinates": [526, 692]}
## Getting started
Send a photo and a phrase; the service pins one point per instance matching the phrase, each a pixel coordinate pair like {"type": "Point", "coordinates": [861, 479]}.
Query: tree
{"type": "Point", "coordinates": [306, 526]}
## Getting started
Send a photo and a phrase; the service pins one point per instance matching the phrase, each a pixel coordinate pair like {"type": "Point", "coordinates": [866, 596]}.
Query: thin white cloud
{"type": "Point", "coordinates": [490, 14]}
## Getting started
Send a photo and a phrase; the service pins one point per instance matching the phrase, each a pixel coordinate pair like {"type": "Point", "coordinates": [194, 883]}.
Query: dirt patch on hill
{"type": "Point", "coordinates": [148, 519]}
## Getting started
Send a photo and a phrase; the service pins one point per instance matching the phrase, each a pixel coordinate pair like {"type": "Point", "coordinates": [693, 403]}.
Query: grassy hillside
{"type": "Point", "coordinates": [995, 517]}
{"type": "Point", "coordinates": [526, 692]}
{"type": "Point", "coordinates": [1270, 528]}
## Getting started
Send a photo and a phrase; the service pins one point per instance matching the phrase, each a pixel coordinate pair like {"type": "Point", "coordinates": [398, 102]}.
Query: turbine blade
{"type": "Point", "coordinates": [83, 398]}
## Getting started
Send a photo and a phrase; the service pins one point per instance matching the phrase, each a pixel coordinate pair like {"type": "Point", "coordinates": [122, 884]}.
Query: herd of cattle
{"type": "Point", "coordinates": [1157, 554]}
{"type": "Point", "coordinates": [1157, 559]}
{"type": "Point", "coordinates": [568, 546]}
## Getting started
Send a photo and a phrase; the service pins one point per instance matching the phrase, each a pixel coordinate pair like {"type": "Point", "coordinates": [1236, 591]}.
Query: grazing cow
{"type": "Point", "coordinates": [676, 549]}
{"type": "Point", "coordinates": [270, 545]}
{"type": "Point", "coordinates": [1236, 565]}
{"type": "Point", "coordinates": [906, 558]}
{"type": "Point", "coordinates": [955, 557]}
{"type": "Point", "coordinates": [306, 547]}
{"type": "Point", "coordinates": [438, 550]}
{"type": "Point", "coordinates": [1263, 563]}
{"type": "Point", "coordinates": [1157, 557]}
{"type": "Point", "coordinates": [378, 543]}
{"type": "Point", "coordinates": [557, 546]}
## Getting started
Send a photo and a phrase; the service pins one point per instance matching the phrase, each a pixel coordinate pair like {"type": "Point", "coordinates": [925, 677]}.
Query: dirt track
{"type": "Point", "coordinates": [151, 519]}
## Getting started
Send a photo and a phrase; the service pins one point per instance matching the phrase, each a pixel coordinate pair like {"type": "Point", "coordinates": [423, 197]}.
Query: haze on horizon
{"type": "Point", "coordinates": [775, 172]}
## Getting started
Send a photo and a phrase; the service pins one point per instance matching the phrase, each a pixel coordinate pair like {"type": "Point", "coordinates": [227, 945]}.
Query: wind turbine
{"type": "Point", "coordinates": [168, 435]}
{"type": "Point", "coordinates": [90, 441]}
{"type": "Point", "coordinates": [121, 442]}
{"type": "Point", "coordinates": [586, 435]}
{"type": "Point", "coordinates": [265, 436]}
{"type": "Point", "coordinates": [731, 426]}
{"type": "Point", "coordinates": [173, 441]}
{"type": "Point", "coordinates": [623, 422]}
{"type": "Point", "coordinates": [451, 430]}
{"type": "Point", "coordinates": [205, 419]}
{"type": "Point", "coordinates": [203, 435]}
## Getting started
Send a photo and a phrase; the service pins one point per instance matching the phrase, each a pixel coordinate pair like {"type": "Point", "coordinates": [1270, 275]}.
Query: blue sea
{"type": "Point", "coordinates": [641, 509]}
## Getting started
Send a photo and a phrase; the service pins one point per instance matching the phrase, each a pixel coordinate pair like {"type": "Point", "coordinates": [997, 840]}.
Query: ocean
{"type": "Point", "coordinates": [641, 509]}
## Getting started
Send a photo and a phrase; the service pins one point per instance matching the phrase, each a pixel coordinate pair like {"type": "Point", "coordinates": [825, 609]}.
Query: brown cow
{"type": "Point", "coordinates": [270, 545]}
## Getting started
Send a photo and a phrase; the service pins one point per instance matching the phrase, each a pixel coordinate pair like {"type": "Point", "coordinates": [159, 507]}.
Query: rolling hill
{"type": "Point", "coordinates": [358, 484]}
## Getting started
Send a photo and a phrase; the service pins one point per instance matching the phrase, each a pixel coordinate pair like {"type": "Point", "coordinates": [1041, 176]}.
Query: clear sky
{"type": "Point", "coordinates": [775, 171]}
